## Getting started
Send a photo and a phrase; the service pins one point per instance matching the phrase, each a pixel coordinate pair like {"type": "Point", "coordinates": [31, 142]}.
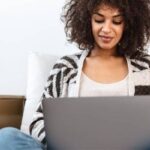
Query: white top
{"type": "Point", "coordinates": [89, 87]}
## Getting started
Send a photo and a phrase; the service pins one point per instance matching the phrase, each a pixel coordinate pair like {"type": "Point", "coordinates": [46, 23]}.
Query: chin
{"type": "Point", "coordinates": [107, 47]}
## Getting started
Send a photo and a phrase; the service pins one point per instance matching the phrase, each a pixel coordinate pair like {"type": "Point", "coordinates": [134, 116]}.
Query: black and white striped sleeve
{"type": "Point", "coordinates": [60, 76]}
{"type": "Point", "coordinates": [51, 90]}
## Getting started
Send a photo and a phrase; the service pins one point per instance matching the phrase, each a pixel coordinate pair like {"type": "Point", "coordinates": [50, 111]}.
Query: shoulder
{"type": "Point", "coordinates": [142, 62]}
{"type": "Point", "coordinates": [68, 61]}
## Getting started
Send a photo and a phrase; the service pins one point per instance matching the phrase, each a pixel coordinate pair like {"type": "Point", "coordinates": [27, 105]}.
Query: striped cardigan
{"type": "Point", "coordinates": [64, 81]}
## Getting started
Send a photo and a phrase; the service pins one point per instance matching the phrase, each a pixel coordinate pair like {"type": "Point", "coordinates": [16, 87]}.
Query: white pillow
{"type": "Point", "coordinates": [39, 66]}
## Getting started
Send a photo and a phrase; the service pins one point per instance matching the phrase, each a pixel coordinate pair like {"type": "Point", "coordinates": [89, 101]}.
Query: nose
{"type": "Point", "coordinates": [106, 28]}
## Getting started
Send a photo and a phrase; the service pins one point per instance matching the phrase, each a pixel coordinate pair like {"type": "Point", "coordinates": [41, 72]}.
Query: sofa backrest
{"type": "Point", "coordinates": [39, 66]}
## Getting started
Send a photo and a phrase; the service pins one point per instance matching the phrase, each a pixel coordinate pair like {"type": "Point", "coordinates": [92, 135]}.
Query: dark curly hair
{"type": "Point", "coordinates": [77, 18]}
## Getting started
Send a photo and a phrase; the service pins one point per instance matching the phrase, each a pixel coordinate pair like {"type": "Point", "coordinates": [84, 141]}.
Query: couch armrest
{"type": "Point", "coordinates": [11, 110]}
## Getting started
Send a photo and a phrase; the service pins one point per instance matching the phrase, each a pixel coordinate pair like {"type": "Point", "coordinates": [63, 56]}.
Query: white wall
{"type": "Point", "coordinates": [28, 25]}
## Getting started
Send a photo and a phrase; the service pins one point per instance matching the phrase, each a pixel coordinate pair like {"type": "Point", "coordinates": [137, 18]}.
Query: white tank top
{"type": "Point", "coordinates": [89, 88]}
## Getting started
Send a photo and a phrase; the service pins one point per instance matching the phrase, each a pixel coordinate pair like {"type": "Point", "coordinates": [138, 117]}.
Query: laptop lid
{"type": "Point", "coordinates": [97, 123]}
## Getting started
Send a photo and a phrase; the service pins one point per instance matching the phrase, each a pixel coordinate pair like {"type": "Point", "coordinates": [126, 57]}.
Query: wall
{"type": "Point", "coordinates": [28, 25]}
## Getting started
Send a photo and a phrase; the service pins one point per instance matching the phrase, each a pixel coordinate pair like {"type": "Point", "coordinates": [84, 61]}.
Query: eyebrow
{"type": "Point", "coordinates": [104, 16]}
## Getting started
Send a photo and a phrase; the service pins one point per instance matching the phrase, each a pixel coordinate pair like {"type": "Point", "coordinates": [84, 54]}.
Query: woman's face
{"type": "Point", "coordinates": [107, 27]}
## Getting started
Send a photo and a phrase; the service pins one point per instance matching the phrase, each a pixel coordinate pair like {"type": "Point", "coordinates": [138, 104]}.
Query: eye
{"type": "Point", "coordinates": [99, 21]}
{"type": "Point", "coordinates": [117, 22]}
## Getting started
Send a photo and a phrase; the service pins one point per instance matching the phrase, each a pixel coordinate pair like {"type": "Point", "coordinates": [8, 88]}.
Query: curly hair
{"type": "Point", "coordinates": [77, 18]}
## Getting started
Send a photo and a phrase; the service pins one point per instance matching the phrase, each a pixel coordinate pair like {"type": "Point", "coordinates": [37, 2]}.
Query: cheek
{"type": "Point", "coordinates": [119, 32]}
{"type": "Point", "coordinates": [95, 27]}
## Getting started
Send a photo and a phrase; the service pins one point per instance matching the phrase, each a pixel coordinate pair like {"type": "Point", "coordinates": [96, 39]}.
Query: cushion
{"type": "Point", "coordinates": [39, 66]}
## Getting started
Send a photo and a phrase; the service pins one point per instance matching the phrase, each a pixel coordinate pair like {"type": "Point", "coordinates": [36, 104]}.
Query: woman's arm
{"type": "Point", "coordinates": [54, 83]}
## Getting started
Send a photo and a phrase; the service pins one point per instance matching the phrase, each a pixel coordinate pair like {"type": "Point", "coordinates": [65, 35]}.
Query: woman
{"type": "Point", "coordinates": [112, 36]}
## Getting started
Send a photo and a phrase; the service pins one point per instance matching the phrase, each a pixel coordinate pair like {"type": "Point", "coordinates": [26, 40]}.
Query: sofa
{"type": "Point", "coordinates": [11, 110]}
{"type": "Point", "coordinates": [18, 111]}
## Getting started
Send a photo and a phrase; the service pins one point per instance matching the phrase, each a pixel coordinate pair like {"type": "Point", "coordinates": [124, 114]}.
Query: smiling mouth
{"type": "Point", "coordinates": [106, 39]}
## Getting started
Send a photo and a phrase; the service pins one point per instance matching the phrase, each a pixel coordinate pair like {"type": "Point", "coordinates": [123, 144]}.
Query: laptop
{"type": "Point", "coordinates": [97, 123]}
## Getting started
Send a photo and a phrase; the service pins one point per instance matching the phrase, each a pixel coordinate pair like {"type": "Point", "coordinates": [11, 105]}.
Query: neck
{"type": "Point", "coordinates": [103, 53]}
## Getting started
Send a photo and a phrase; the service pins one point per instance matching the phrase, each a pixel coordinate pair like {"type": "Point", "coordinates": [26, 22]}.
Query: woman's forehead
{"type": "Point", "coordinates": [107, 9]}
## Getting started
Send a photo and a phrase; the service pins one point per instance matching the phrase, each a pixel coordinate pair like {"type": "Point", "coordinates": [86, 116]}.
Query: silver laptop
{"type": "Point", "coordinates": [101, 123]}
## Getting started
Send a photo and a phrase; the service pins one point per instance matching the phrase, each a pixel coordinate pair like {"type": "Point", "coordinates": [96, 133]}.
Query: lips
{"type": "Point", "coordinates": [106, 39]}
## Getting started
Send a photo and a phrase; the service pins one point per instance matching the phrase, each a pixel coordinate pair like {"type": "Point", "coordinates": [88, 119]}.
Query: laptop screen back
{"type": "Point", "coordinates": [102, 123]}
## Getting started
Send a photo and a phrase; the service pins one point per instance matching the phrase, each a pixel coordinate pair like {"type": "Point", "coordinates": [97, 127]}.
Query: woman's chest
{"type": "Point", "coordinates": [106, 72]}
